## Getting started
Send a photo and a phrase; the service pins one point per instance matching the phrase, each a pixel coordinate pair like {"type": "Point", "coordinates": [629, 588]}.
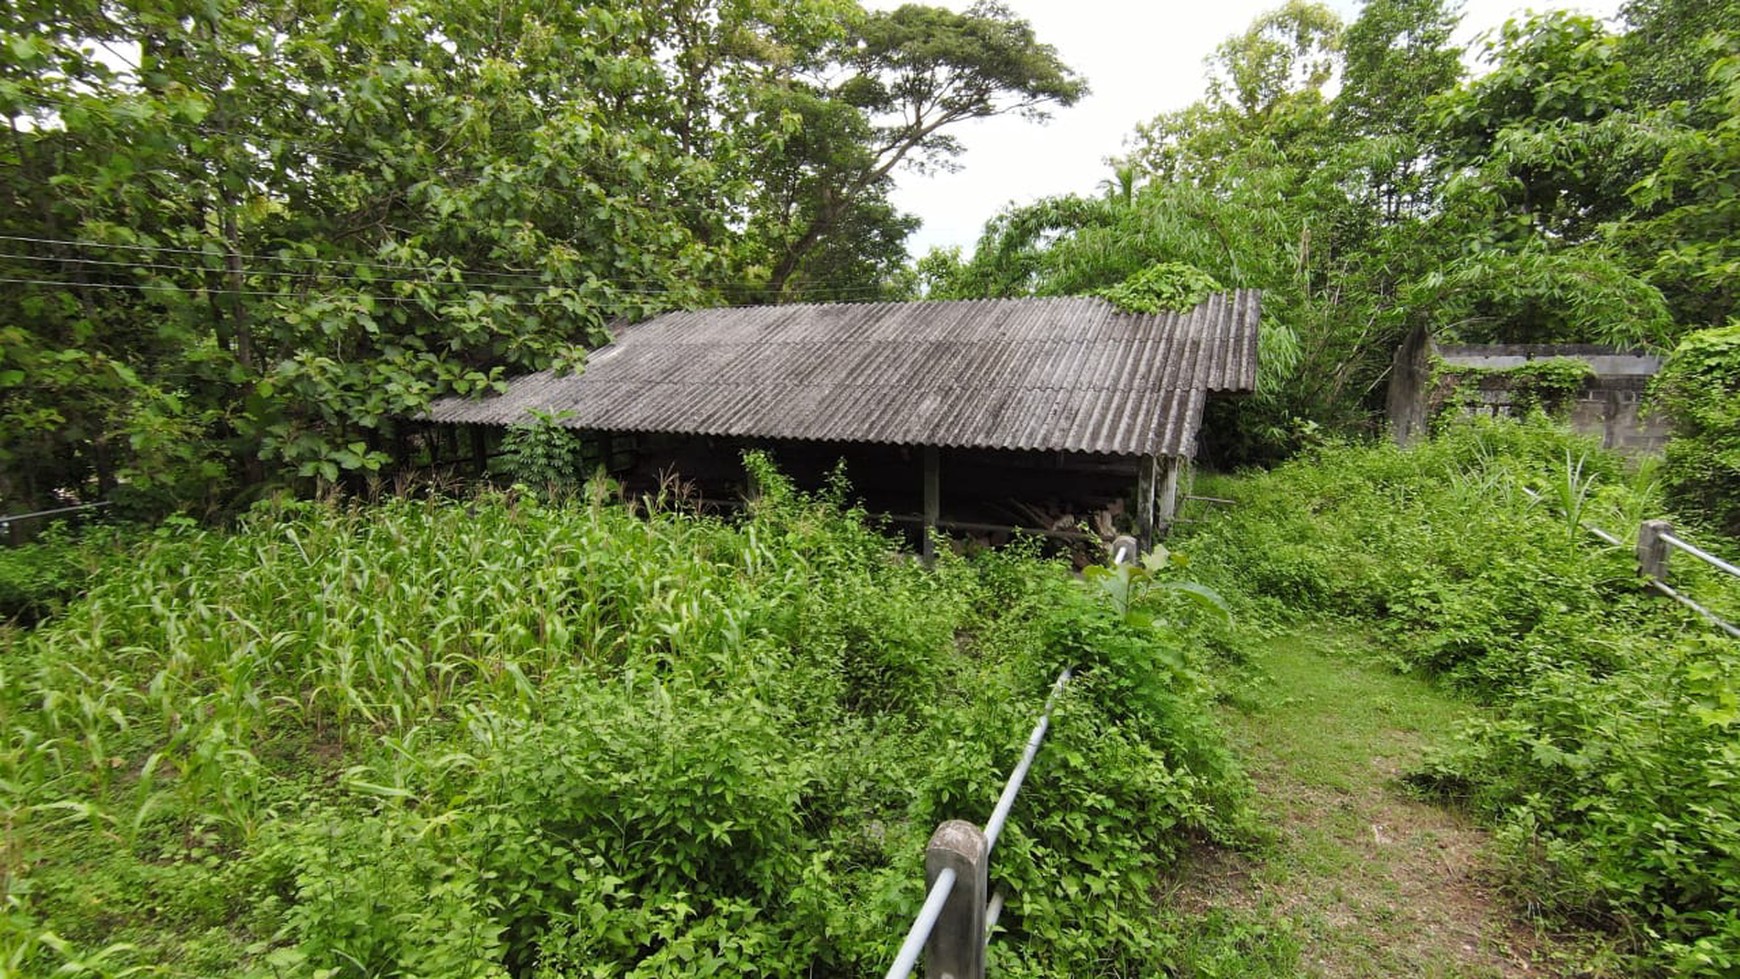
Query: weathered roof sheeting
{"type": "Point", "coordinates": [1072, 374]}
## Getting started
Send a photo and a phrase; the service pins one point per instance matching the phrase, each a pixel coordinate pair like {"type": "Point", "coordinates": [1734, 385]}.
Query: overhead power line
{"type": "Point", "coordinates": [530, 281]}
{"type": "Point", "coordinates": [255, 293]}
{"type": "Point", "coordinates": [147, 287]}
{"type": "Point", "coordinates": [312, 276]}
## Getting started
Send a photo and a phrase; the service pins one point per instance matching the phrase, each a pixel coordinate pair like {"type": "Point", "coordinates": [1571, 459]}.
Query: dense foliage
{"type": "Point", "coordinates": [1578, 190]}
{"type": "Point", "coordinates": [1609, 757]}
{"type": "Point", "coordinates": [498, 737]}
{"type": "Point", "coordinates": [40, 578]}
{"type": "Point", "coordinates": [241, 241]}
{"type": "Point", "coordinates": [1700, 389]}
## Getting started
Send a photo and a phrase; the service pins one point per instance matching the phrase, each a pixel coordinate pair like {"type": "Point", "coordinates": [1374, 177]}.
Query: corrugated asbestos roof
{"type": "Point", "coordinates": [1071, 374]}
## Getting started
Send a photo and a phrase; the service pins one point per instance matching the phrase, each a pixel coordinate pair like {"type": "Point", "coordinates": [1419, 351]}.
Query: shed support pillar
{"type": "Point", "coordinates": [1167, 504]}
{"type": "Point", "coordinates": [932, 500]}
{"type": "Point", "coordinates": [479, 450]}
{"type": "Point", "coordinates": [1145, 479]}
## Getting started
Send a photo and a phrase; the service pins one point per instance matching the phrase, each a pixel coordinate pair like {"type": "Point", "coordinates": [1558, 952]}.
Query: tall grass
{"type": "Point", "coordinates": [1608, 760]}
{"type": "Point", "coordinates": [502, 737]}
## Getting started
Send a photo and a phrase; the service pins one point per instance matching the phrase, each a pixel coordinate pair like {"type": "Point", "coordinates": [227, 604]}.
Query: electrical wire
{"type": "Point", "coordinates": [532, 281]}
{"type": "Point", "coordinates": [259, 294]}
{"type": "Point", "coordinates": [203, 128]}
{"type": "Point", "coordinates": [310, 276]}
{"type": "Point", "coordinates": [146, 287]}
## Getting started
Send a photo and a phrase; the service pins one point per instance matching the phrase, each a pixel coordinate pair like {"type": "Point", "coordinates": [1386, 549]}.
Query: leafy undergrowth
{"type": "Point", "coordinates": [1363, 877]}
{"type": "Point", "coordinates": [40, 578]}
{"type": "Point", "coordinates": [1611, 760]}
{"type": "Point", "coordinates": [503, 738]}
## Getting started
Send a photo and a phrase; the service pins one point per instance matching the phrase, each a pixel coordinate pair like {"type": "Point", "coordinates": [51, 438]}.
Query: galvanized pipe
{"type": "Point", "coordinates": [1000, 815]}
{"type": "Point", "coordinates": [993, 911]}
{"type": "Point", "coordinates": [1697, 551]}
{"type": "Point", "coordinates": [1662, 586]}
{"type": "Point", "coordinates": [907, 960]}
{"type": "Point", "coordinates": [55, 512]}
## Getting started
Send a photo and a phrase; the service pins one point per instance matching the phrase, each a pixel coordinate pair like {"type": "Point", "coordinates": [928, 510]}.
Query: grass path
{"type": "Point", "coordinates": [1362, 879]}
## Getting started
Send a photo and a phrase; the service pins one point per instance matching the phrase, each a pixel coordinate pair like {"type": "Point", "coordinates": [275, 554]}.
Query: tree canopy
{"type": "Point", "coordinates": [240, 240]}
{"type": "Point", "coordinates": [1578, 189]}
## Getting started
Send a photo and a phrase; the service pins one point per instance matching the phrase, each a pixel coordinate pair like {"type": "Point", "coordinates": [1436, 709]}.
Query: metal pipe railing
{"type": "Point", "coordinates": [969, 963]}
{"type": "Point", "coordinates": [922, 925]}
{"type": "Point", "coordinates": [1715, 619]}
{"type": "Point", "coordinates": [1655, 565]}
{"type": "Point", "coordinates": [993, 911]}
{"type": "Point", "coordinates": [1699, 552]}
{"type": "Point", "coordinates": [53, 513]}
{"type": "Point", "coordinates": [1005, 803]}
{"type": "Point", "coordinates": [9, 522]}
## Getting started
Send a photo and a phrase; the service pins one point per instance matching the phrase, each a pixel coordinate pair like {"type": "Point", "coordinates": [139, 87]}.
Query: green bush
{"type": "Point", "coordinates": [1439, 547]}
{"type": "Point", "coordinates": [504, 737]}
{"type": "Point", "coordinates": [1699, 388]}
{"type": "Point", "coordinates": [39, 578]}
{"type": "Point", "coordinates": [543, 455]}
{"type": "Point", "coordinates": [1609, 756]}
{"type": "Point", "coordinates": [1166, 287]}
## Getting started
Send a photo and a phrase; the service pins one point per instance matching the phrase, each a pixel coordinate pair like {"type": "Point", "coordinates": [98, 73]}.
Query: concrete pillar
{"type": "Point", "coordinates": [1167, 504]}
{"type": "Point", "coordinates": [1410, 373]}
{"type": "Point", "coordinates": [1652, 551]}
{"type": "Point", "coordinates": [956, 948]}
{"type": "Point", "coordinates": [1125, 550]}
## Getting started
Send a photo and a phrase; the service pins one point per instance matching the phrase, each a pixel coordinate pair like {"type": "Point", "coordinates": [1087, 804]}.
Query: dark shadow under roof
{"type": "Point", "coordinates": [1072, 374]}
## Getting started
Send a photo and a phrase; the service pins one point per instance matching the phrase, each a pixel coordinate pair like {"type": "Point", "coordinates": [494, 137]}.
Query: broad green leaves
{"type": "Point", "coordinates": [303, 221]}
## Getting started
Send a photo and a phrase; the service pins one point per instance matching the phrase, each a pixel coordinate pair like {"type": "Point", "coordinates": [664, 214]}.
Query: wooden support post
{"type": "Point", "coordinates": [1145, 500]}
{"type": "Point", "coordinates": [932, 500]}
{"type": "Point", "coordinates": [1167, 505]}
{"type": "Point", "coordinates": [480, 450]}
{"type": "Point", "coordinates": [956, 948]}
{"type": "Point", "coordinates": [1652, 551]}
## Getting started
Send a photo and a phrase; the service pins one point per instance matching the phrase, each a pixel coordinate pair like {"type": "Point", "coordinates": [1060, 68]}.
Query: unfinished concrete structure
{"type": "Point", "coordinates": [1609, 404]}
{"type": "Point", "coordinates": [960, 415]}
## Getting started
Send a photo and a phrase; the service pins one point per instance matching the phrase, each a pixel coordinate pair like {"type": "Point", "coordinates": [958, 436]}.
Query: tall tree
{"type": "Point", "coordinates": [911, 74]}
{"type": "Point", "coordinates": [1669, 46]}
{"type": "Point", "coordinates": [1398, 55]}
{"type": "Point", "coordinates": [1265, 85]}
{"type": "Point", "coordinates": [315, 216]}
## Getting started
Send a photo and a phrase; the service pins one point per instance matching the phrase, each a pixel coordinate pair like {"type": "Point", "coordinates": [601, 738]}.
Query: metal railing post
{"type": "Point", "coordinates": [1652, 549]}
{"type": "Point", "coordinates": [956, 947]}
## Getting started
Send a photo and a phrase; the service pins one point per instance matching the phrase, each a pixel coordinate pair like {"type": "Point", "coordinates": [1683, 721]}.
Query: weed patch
{"type": "Point", "coordinates": [504, 737]}
{"type": "Point", "coordinates": [1609, 759]}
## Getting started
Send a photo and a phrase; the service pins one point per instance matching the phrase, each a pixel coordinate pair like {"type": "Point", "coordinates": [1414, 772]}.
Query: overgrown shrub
{"type": "Point", "coordinates": [38, 579]}
{"type": "Point", "coordinates": [542, 454]}
{"type": "Point", "coordinates": [1699, 388]}
{"type": "Point", "coordinates": [1438, 546]}
{"type": "Point", "coordinates": [1165, 287]}
{"type": "Point", "coordinates": [1609, 757]}
{"type": "Point", "coordinates": [504, 737]}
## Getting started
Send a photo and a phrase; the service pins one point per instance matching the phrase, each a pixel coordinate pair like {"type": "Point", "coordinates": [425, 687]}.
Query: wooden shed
{"type": "Point", "coordinates": [961, 415]}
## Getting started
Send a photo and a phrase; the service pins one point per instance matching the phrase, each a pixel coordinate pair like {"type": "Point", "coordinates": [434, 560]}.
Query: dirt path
{"type": "Point", "coordinates": [1362, 878]}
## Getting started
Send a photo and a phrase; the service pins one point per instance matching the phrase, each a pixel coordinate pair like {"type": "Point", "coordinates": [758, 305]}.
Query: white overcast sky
{"type": "Point", "coordinates": [1141, 59]}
